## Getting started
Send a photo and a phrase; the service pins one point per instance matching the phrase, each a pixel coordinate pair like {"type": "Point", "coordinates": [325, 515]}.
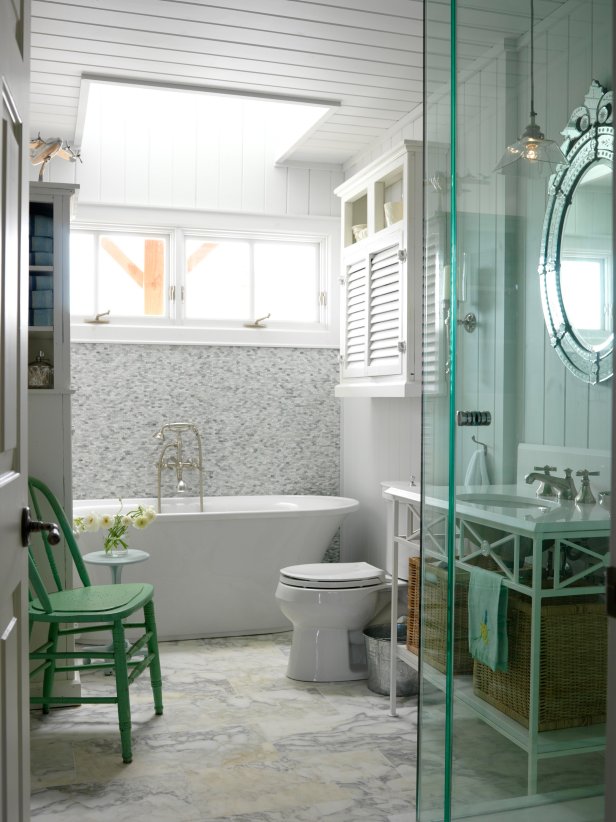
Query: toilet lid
{"type": "Point", "coordinates": [332, 575]}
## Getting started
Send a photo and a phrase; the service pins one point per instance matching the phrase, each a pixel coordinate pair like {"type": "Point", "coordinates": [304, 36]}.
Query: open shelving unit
{"type": "Point", "coordinates": [49, 333]}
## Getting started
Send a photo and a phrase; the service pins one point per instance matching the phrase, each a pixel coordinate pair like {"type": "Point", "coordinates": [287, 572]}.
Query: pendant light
{"type": "Point", "coordinates": [532, 155]}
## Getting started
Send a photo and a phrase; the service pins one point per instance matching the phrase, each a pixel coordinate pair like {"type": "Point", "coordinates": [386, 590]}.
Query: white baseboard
{"type": "Point", "coordinates": [62, 687]}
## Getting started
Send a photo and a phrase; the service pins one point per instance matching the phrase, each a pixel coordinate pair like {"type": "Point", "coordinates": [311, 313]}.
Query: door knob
{"type": "Point", "coordinates": [29, 526]}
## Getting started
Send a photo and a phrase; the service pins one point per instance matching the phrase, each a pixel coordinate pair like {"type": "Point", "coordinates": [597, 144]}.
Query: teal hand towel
{"type": "Point", "coordinates": [487, 619]}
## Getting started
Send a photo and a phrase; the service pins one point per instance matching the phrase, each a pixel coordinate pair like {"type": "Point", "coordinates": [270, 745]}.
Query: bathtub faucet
{"type": "Point", "coordinates": [176, 461]}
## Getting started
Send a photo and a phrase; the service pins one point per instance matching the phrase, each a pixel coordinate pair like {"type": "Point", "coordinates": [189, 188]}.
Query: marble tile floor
{"type": "Point", "coordinates": [490, 773]}
{"type": "Point", "coordinates": [238, 742]}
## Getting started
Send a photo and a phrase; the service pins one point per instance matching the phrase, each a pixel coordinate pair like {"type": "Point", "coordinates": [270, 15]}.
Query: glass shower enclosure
{"type": "Point", "coordinates": [517, 410]}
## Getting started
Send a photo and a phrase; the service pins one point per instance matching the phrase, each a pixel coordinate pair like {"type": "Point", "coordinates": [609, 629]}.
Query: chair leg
{"type": "Point", "coordinates": [156, 679]}
{"type": "Point", "coordinates": [121, 677]}
{"type": "Point", "coordinates": [50, 670]}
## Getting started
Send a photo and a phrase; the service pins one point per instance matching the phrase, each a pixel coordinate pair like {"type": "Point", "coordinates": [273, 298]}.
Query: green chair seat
{"type": "Point", "coordinates": [95, 601]}
{"type": "Point", "coordinates": [106, 605]}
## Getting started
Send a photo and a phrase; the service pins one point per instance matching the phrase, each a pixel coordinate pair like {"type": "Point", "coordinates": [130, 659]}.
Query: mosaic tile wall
{"type": "Point", "coordinates": [268, 418]}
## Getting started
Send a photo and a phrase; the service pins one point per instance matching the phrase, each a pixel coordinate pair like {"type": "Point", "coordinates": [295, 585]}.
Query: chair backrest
{"type": "Point", "coordinates": [46, 506]}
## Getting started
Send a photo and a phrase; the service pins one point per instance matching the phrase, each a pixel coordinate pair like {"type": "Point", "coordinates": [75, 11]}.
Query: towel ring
{"type": "Point", "coordinates": [483, 445]}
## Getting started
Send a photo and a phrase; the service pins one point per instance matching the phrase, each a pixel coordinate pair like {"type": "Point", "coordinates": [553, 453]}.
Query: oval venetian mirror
{"type": "Point", "coordinates": [576, 247]}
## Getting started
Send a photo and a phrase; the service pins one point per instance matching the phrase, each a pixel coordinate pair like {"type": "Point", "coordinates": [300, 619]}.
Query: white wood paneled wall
{"type": "Point", "coordinates": [507, 365]}
{"type": "Point", "coordinates": [381, 440]}
{"type": "Point", "coordinates": [486, 358]}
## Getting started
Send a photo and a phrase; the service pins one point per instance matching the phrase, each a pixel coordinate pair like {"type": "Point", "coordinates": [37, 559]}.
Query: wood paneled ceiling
{"type": "Point", "coordinates": [371, 62]}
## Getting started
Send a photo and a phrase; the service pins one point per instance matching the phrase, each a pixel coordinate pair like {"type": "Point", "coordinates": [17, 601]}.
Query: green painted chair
{"type": "Point", "coordinates": [108, 606]}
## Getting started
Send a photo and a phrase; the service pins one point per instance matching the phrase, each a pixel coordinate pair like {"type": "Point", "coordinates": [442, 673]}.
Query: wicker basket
{"type": "Point", "coordinates": [434, 617]}
{"type": "Point", "coordinates": [412, 625]}
{"type": "Point", "coordinates": [573, 665]}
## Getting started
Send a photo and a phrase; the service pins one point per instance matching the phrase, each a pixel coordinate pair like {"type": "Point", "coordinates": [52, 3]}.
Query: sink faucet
{"type": "Point", "coordinates": [176, 461]}
{"type": "Point", "coordinates": [545, 488]}
{"type": "Point", "coordinates": [562, 487]}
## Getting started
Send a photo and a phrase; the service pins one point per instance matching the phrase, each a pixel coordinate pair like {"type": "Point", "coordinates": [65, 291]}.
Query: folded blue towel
{"type": "Point", "coordinates": [487, 619]}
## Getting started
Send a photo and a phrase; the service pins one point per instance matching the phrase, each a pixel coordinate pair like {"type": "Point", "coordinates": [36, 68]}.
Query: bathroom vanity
{"type": "Point", "coordinates": [544, 551]}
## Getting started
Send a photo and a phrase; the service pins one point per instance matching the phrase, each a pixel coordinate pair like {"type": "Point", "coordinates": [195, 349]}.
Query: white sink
{"type": "Point", "coordinates": [505, 500]}
{"type": "Point", "coordinates": [510, 506]}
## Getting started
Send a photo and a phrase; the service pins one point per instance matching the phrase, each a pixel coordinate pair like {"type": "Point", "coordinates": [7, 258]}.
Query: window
{"type": "Point", "coordinates": [189, 286]}
{"type": "Point", "coordinates": [217, 280]}
{"type": "Point", "coordinates": [250, 279]}
{"type": "Point", "coordinates": [123, 274]}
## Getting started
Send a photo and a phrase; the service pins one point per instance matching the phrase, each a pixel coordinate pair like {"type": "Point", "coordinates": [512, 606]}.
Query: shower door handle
{"type": "Point", "coordinates": [473, 417]}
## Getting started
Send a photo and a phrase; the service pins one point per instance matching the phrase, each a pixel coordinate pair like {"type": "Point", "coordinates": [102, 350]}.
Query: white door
{"type": "Point", "coordinates": [14, 749]}
{"type": "Point", "coordinates": [610, 770]}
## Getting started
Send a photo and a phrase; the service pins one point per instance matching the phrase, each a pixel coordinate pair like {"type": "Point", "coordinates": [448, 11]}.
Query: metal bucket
{"type": "Point", "coordinates": [378, 652]}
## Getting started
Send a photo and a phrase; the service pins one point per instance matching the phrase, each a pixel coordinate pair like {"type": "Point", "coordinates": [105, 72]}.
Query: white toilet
{"type": "Point", "coordinates": [329, 604]}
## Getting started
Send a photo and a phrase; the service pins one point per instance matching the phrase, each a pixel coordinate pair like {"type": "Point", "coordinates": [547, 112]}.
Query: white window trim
{"type": "Point", "coordinates": [324, 231]}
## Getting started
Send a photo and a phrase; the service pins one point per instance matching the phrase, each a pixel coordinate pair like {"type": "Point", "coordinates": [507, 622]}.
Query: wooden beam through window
{"type": "Point", "coordinates": [151, 279]}
{"type": "Point", "coordinates": [200, 254]}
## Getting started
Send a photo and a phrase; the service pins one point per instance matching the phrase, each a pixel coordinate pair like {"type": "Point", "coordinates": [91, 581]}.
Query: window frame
{"type": "Point", "coordinates": [176, 329]}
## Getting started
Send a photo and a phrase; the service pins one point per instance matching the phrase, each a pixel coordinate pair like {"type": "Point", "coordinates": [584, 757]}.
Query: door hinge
{"type": "Point", "coordinates": [402, 255]}
{"type": "Point", "coordinates": [610, 592]}
{"type": "Point", "coordinates": [323, 298]}
{"type": "Point", "coordinates": [171, 293]}
{"type": "Point", "coordinates": [402, 346]}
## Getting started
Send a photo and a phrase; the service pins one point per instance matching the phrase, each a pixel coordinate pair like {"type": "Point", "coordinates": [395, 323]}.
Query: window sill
{"type": "Point", "coordinates": [185, 335]}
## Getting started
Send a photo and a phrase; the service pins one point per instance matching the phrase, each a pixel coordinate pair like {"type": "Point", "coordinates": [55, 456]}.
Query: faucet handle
{"type": "Point", "coordinates": [545, 468]}
{"type": "Point", "coordinates": [605, 499]}
{"type": "Point", "coordinates": [585, 495]}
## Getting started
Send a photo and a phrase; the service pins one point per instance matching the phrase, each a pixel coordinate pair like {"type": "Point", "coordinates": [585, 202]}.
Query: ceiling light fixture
{"type": "Point", "coordinates": [532, 155]}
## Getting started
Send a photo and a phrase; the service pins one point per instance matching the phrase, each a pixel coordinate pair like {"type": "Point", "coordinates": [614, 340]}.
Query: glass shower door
{"type": "Point", "coordinates": [512, 723]}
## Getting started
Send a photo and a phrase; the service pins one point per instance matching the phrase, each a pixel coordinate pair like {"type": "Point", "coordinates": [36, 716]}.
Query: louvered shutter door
{"type": "Point", "coordinates": [355, 318]}
{"type": "Point", "coordinates": [384, 313]}
{"type": "Point", "coordinates": [434, 341]}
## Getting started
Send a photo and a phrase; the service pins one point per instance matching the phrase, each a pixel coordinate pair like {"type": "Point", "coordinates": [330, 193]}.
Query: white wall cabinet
{"type": "Point", "coordinates": [49, 335]}
{"type": "Point", "coordinates": [381, 277]}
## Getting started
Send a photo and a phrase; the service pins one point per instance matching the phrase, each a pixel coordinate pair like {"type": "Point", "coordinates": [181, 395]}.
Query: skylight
{"type": "Point", "coordinates": [123, 106]}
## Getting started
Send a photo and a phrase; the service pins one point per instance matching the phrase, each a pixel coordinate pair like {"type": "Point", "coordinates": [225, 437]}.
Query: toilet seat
{"type": "Point", "coordinates": [332, 575]}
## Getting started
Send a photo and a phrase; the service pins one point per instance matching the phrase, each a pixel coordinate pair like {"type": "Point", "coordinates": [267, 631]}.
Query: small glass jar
{"type": "Point", "coordinates": [40, 372]}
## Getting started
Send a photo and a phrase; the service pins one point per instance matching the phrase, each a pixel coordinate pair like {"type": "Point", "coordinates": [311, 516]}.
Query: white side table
{"type": "Point", "coordinates": [116, 563]}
